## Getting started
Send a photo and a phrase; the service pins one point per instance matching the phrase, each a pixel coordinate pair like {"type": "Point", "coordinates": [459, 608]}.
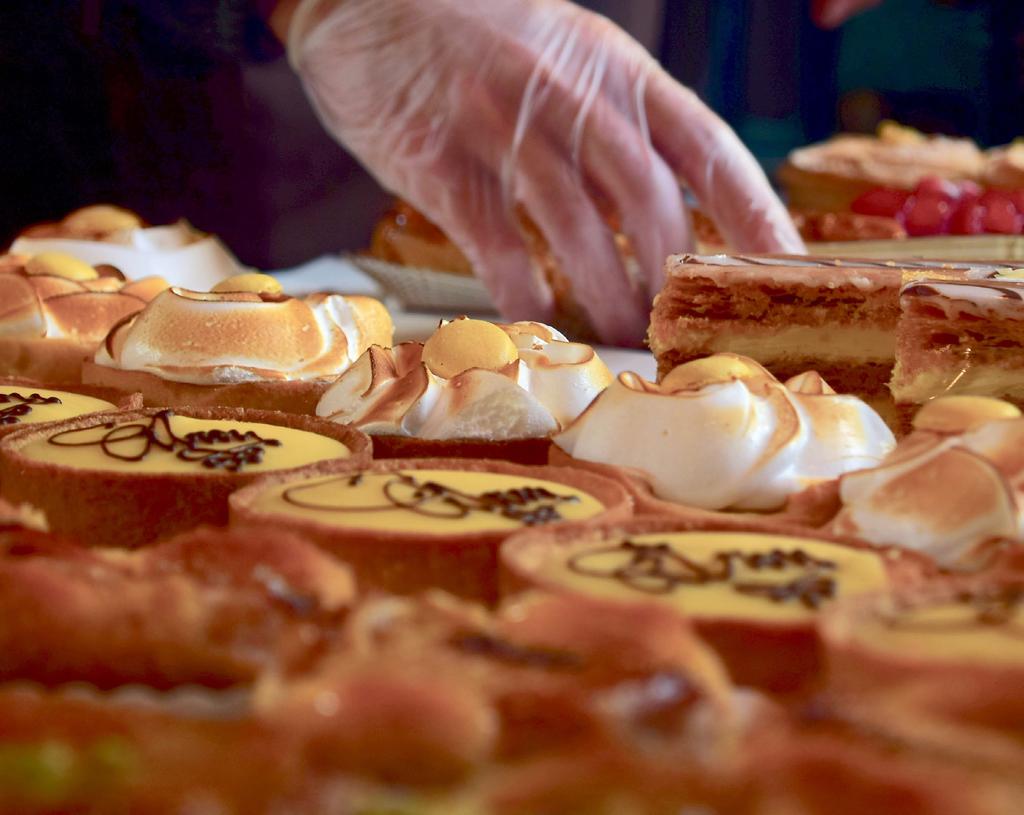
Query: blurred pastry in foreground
{"type": "Point", "coordinates": [131, 478]}
{"type": "Point", "coordinates": [474, 389]}
{"type": "Point", "coordinates": [405, 526]}
{"type": "Point", "coordinates": [722, 434]}
{"type": "Point", "coordinates": [106, 234]}
{"type": "Point", "coordinates": [211, 607]}
{"type": "Point", "coordinates": [754, 594]}
{"type": "Point", "coordinates": [55, 310]}
{"type": "Point", "coordinates": [244, 344]}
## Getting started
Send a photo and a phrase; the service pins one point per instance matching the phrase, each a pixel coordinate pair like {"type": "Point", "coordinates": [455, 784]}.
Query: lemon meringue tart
{"type": "Point", "coordinates": [474, 389]}
{"type": "Point", "coordinates": [408, 525]}
{"type": "Point", "coordinates": [55, 311]}
{"type": "Point", "coordinates": [130, 478]}
{"type": "Point", "coordinates": [754, 595]}
{"type": "Point", "coordinates": [721, 435]}
{"type": "Point", "coordinates": [243, 344]}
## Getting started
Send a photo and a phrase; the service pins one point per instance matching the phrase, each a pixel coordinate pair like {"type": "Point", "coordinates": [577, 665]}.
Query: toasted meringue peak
{"type": "Point", "coordinates": [810, 382]}
{"type": "Point", "coordinates": [957, 414]}
{"type": "Point", "coordinates": [99, 219]}
{"type": "Point", "coordinates": [56, 295]}
{"type": "Point", "coordinates": [240, 336]}
{"type": "Point", "coordinates": [542, 385]}
{"type": "Point", "coordinates": [60, 264]}
{"type": "Point", "coordinates": [463, 344]}
{"type": "Point", "coordinates": [250, 282]}
{"type": "Point", "coordinates": [740, 441]}
{"type": "Point", "coordinates": [700, 373]}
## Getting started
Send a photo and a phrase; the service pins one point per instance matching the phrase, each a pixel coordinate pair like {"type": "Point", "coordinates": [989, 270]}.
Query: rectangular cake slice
{"type": "Point", "coordinates": [962, 337]}
{"type": "Point", "coordinates": [791, 313]}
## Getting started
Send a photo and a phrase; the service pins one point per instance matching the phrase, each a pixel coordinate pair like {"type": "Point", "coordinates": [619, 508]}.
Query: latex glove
{"type": "Point", "coordinates": [833, 13]}
{"type": "Point", "coordinates": [467, 107]}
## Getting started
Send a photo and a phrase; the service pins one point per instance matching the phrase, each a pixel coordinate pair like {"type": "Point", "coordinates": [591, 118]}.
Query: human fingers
{"type": "Point", "coordinates": [721, 172]}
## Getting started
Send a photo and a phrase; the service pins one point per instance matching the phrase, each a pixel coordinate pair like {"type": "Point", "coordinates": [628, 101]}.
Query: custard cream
{"type": "Point", "coordinates": [20, 404]}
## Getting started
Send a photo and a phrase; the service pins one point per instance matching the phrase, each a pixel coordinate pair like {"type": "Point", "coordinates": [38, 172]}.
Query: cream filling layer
{"type": "Point", "coordinates": [827, 343]}
{"type": "Point", "coordinates": [972, 379]}
{"type": "Point", "coordinates": [663, 568]}
{"type": "Point", "coordinates": [20, 404]}
{"type": "Point", "coordinates": [427, 502]}
{"type": "Point", "coordinates": [145, 446]}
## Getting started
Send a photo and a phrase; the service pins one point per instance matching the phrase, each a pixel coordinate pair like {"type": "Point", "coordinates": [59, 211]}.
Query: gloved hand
{"type": "Point", "coordinates": [467, 108]}
{"type": "Point", "coordinates": [833, 13]}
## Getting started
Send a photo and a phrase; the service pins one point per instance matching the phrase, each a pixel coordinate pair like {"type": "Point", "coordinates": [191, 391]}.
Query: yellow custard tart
{"type": "Point", "coordinates": [24, 402]}
{"type": "Point", "coordinates": [755, 596]}
{"type": "Point", "coordinates": [406, 525]}
{"type": "Point", "coordinates": [138, 476]}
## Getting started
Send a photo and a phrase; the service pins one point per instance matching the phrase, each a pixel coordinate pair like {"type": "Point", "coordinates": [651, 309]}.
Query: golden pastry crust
{"type": "Point", "coordinates": [297, 397]}
{"type": "Point", "coordinates": [518, 451]}
{"type": "Point", "coordinates": [407, 562]}
{"type": "Point", "coordinates": [132, 509]}
{"type": "Point", "coordinates": [781, 654]}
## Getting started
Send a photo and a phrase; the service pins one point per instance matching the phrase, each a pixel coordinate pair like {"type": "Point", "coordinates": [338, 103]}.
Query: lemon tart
{"type": "Point", "coordinates": [754, 595]}
{"type": "Point", "coordinates": [408, 525]}
{"type": "Point", "coordinates": [131, 478]}
{"type": "Point", "coordinates": [24, 402]}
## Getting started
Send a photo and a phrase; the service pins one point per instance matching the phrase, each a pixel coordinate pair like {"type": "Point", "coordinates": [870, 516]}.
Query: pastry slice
{"type": "Point", "coordinates": [408, 525]}
{"type": "Point", "coordinates": [131, 478]}
{"type": "Point", "coordinates": [960, 337]}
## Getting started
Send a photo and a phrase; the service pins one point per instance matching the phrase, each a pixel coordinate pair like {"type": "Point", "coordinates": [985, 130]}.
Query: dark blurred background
{"type": "Point", "coordinates": [129, 102]}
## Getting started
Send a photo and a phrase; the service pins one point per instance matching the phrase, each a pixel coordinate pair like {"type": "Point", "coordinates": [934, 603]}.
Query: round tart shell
{"type": "Point", "coordinates": [406, 562]}
{"type": "Point", "coordinates": [518, 451]}
{"type": "Point", "coordinates": [120, 399]}
{"type": "Point", "coordinates": [811, 508]}
{"type": "Point", "coordinates": [298, 397]}
{"type": "Point", "coordinates": [126, 509]}
{"type": "Point", "coordinates": [781, 656]}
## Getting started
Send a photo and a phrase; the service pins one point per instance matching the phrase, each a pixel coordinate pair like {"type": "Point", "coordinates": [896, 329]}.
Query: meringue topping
{"type": "Point", "coordinates": [941, 491]}
{"type": "Point", "coordinates": [470, 380]}
{"type": "Point", "coordinates": [723, 433]}
{"type": "Point", "coordinates": [243, 335]}
{"type": "Point", "coordinates": [57, 295]}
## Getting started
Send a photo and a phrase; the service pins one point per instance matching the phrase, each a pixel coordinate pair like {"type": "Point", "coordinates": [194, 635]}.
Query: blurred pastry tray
{"type": "Point", "coordinates": [419, 289]}
{"type": "Point", "coordinates": [941, 247]}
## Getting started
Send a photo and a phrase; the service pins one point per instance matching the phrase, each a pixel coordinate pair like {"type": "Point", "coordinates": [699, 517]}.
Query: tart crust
{"type": "Point", "coordinates": [286, 396]}
{"type": "Point", "coordinates": [131, 509]}
{"type": "Point", "coordinates": [518, 451]}
{"type": "Point", "coordinates": [406, 562]}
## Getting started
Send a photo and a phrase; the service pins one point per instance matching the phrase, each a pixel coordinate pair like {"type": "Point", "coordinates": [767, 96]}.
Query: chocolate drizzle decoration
{"type": "Point", "coordinates": [530, 505]}
{"type": "Point", "coordinates": [22, 405]}
{"type": "Point", "coordinates": [658, 568]}
{"type": "Point", "coordinates": [135, 440]}
{"type": "Point", "coordinates": [992, 607]}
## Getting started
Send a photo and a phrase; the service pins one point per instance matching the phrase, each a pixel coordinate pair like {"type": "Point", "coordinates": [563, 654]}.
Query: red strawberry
{"type": "Point", "coordinates": [928, 215]}
{"type": "Point", "coordinates": [1017, 196]}
{"type": "Point", "coordinates": [884, 201]}
{"type": "Point", "coordinates": [1001, 216]}
{"type": "Point", "coordinates": [934, 187]}
{"type": "Point", "coordinates": [967, 218]}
